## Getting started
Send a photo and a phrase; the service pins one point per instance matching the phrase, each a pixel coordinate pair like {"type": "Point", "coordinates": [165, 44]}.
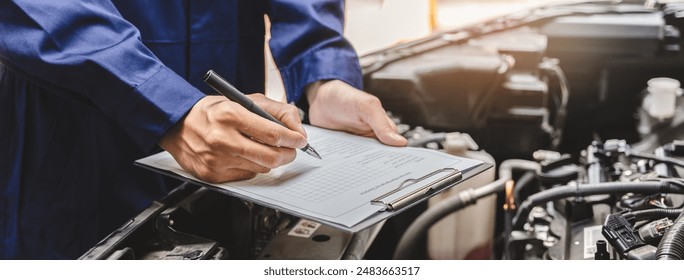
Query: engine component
{"type": "Point", "coordinates": [654, 231]}
{"type": "Point", "coordinates": [621, 235]}
{"type": "Point", "coordinates": [660, 103]}
{"type": "Point", "coordinates": [633, 211]}
{"type": "Point", "coordinates": [493, 82]}
{"type": "Point", "coordinates": [601, 251]}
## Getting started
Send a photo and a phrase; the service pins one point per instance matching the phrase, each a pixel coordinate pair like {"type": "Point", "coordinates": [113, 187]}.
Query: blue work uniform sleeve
{"type": "Point", "coordinates": [308, 44]}
{"type": "Point", "coordinates": [85, 51]}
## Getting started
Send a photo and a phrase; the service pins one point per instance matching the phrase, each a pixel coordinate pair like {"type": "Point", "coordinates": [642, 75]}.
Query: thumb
{"type": "Point", "coordinates": [383, 127]}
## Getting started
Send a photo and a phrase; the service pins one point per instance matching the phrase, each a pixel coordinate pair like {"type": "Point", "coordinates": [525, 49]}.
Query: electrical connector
{"type": "Point", "coordinates": [654, 231]}
{"type": "Point", "coordinates": [676, 148]}
{"type": "Point", "coordinates": [621, 234]}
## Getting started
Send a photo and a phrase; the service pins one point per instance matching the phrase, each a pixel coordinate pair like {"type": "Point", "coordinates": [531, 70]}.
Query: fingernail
{"type": "Point", "coordinates": [398, 137]}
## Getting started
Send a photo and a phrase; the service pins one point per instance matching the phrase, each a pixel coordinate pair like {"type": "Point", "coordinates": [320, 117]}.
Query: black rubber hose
{"type": "Point", "coordinates": [419, 228]}
{"type": "Point", "coordinates": [652, 214]}
{"type": "Point", "coordinates": [521, 184]}
{"type": "Point", "coordinates": [589, 189]}
{"type": "Point", "coordinates": [671, 247]}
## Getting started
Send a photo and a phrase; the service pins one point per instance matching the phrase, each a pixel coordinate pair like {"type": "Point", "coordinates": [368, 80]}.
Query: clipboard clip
{"type": "Point", "coordinates": [453, 176]}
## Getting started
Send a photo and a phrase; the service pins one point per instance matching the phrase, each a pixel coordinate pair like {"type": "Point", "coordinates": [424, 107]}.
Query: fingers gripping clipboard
{"type": "Point", "coordinates": [358, 183]}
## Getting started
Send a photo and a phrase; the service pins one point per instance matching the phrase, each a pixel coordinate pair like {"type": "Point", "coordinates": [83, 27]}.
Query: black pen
{"type": "Point", "coordinates": [226, 89]}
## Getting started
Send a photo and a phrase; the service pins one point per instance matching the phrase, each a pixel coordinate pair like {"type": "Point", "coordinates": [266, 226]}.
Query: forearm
{"type": "Point", "coordinates": [85, 51]}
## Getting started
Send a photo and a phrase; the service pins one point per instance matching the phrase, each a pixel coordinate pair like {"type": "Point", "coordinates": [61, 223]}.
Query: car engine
{"type": "Point", "coordinates": [570, 102]}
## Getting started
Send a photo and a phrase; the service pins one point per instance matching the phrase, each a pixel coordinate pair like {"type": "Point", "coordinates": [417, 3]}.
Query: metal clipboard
{"type": "Point", "coordinates": [451, 177]}
{"type": "Point", "coordinates": [414, 197]}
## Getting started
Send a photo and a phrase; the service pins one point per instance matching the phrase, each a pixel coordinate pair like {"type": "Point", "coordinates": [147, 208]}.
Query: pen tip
{"type": "Point", "coordinates": [310, 150]}
{"type": "Point", "coordinates": [315, 154]}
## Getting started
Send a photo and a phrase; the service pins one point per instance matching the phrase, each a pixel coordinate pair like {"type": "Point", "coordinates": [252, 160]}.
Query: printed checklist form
{"type": "Point", "coordinates": [352, 187]}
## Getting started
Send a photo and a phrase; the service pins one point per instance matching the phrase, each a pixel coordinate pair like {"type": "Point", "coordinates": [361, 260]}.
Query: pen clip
{"type": "Point", "coordinates": [449, 179]}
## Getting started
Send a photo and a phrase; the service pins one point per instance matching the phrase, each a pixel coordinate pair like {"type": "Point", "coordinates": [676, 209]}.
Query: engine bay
{"type": "Point", "coordinates": [563, 98]}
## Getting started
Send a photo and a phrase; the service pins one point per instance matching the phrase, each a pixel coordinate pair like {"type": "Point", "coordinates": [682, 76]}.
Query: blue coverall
{"type": "Point", "coordinates": [89, 86]}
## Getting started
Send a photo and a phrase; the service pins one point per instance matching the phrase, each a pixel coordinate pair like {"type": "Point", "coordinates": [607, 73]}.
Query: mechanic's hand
{"type": "Point", "coordinates": [220, 141]}
{"type": "Point", "coordinates": [337, 105]}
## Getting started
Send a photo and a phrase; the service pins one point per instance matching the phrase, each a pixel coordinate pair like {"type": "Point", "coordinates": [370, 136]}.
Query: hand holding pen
{"type": "Point", "coordinates": [219, 140]}
{"type": "Point", "coordinates": [229, 91]}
